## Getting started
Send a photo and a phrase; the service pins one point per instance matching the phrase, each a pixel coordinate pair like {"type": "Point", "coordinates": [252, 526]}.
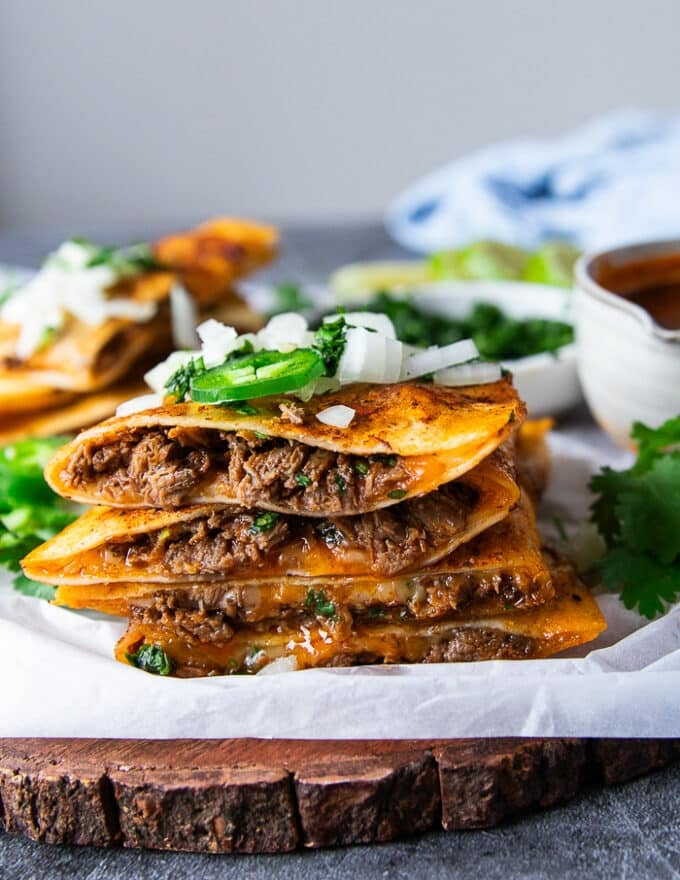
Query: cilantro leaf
{"type": "Point", "coordinates": [329, 342]}
{"type": "Point", "coordinates": [637, 512]}
{"type": "Point", "coordinates": [151, 658]}
{"type": "Point", "coordinates": [653, 442]}
{"type": "Point", "coordinates": [178, 384]}
{"type": "Point", "coordinates": [649, 511]}
{"type": "Point", "coordinates": [642, 580]}
{"type": "Point", "coordinates": [30, 512]}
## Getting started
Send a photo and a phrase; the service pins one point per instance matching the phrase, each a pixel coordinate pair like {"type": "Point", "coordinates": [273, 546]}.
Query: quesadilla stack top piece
{"type": "Point", "coordinates": [77, 336]}
{"type": "Point", "coordinates": [375, 522]}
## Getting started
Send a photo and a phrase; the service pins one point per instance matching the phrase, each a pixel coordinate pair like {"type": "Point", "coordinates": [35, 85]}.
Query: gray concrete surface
{"type": "Point", "coordinates": [630, 831]}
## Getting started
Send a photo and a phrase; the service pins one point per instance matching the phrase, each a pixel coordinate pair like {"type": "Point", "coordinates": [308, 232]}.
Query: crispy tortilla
{"type": "Point", "coordinates": [80, 357]}
{"type": "Point", "coordinates": [571, 618]}
{"type": "Point", "coordinates": [500, 568]}
{"type": "Point", "coordinates": [203, 542]}
{"type": "Point", "coordinates": [435, 434]}
{"type": "Point", "coordinates": [68, 414]}
{"type": "Point", "coordinates": [211, 257]}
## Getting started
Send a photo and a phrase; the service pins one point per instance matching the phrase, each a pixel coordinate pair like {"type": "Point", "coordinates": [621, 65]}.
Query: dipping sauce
{"type": "Point", "coordinates": [652, 284]}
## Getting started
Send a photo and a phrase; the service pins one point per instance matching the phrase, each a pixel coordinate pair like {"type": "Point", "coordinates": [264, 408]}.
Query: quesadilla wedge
{"type": "Point", "coordinates": [500, 568]}
{"type": "Point", "coordinates": [204, 542]}
{"type": "Point", "coordinates": [217, 647]}
{"type": "Point", "coordinates": [212, 257]}
{"type": "Point", "coordinates": [405, 439]}
{"type": "Point", "coordinates": [89, 322]}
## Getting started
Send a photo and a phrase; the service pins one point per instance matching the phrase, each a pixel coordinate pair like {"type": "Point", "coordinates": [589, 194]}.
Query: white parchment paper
{"type": "Point", "coordinates": [59, 677]}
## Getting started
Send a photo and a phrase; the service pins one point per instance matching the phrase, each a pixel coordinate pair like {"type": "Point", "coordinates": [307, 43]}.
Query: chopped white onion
{"type": "Point", "coordinates": [338, 416]}
{"type": "Point", "coordinates": [217, 341]}
{"type": "Point", "coordinates": [369, 357]}
{"type": "Point", "coordinates": [64, 287]}
{"type": "Point", "coordinates": [183, 317]}
{"type": "Point", "coordinates": [71, 255]}
{"type": "Point", "coordinates": [436, 358]}
{"type": "Point", "coordinates": [283, 331]}
{"type": "Point", "coordinates": [281, 664]}
{"type": "Point", "coordinates": [370, 320]}
{"type": "Point", "coordinates": [159, 375]}
{"type": "Point", "coordinates": [475, 373]}
{"type": "Point", "coordinates": [138, 404]}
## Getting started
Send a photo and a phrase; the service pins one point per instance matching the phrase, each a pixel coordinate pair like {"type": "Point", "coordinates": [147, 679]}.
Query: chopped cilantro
{"type": "Point", "coordinates": [263, 522]}
{"type": "Point", "coordinates": [497, 335]}
{"type": "Point", "coordinates": [320, 605]}
{"type": "Point", "coordinates": [376, 611]}
{"type": "Point", "coordinates": [637, 512]}
{"type": "Point", "coordinates": [259, 434]}
{"type": "Point", "coordinates": [361, 467]}
{"type": "Point", "coordinates": [340, 482]}
{"type": "Point", "coordinates": [302, 479]}
{"type": "Point", "coordinates": [177, 385]}
{"type": "Point", "coordinates": [387, 460]}
{"type": "Point", "coordinates": [329, 342]}
{"type": "Point", "coordinates": [243, 408]}
{"type": "Point", "coordinates": [30, 512]}
{"type": "Point", "coordinates": [397, 494]}
{"type": "Point", "coordinates": [151, 658]}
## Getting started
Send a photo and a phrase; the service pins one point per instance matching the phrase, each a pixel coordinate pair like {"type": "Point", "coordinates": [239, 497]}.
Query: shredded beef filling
{"type": "Point", "coordinates": [394, 539]}
{"type": "Point", "coordinates": [164, 466]}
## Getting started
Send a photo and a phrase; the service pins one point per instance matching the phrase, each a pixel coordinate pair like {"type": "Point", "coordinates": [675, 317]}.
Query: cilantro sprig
{"type": "Point", "coordinates": [30, 512]}
{"type": "Point", "coordinates": [637, 512]}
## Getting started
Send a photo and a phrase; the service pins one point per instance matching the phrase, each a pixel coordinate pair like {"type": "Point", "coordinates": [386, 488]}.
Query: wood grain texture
{"type": "Point", "coordinates": [249, 795]}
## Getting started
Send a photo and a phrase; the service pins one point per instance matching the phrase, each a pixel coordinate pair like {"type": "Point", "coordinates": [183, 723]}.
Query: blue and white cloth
{"type": "Point", "coordinates": [616, 180]}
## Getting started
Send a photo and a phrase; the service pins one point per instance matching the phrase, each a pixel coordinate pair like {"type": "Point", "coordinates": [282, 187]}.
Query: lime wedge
{"type": "Point", "coordinates": [481, 261]}
{"type": "Point", "coordinates": [552, 263]}
{"type": "Point", "coordinates": [361, 280]}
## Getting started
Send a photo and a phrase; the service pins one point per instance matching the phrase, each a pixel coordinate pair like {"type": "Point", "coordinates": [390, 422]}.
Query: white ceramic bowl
{"type": "Point", "coordinates": [629, 366]}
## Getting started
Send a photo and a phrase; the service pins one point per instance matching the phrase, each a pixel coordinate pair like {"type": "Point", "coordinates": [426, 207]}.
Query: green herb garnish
{"type": "Point", "coordinates": [243, 408]}
{"type": "Point", "coordinates": [361, 468]}
{"type": "Point", "coordinates": [302, 479]}
{"type": "Point", "coordinates": [387, 460]}
{"type": "Point", "coordinates": [340, 482]}
{"type": "Point", "coordinates": [329, 342]}
{"type": "Point", "coordinates": [151, 658]}
{"type": "Point", "coordinates": [263, 522]}
{"type": "Point", "coordinates": [397, 494]}
{"type": "Point", "coordinates": [497, 336]}
{"type": "Point", "coordinates": [320, 605]}
{"type": "Point", "coordinates": [177, 385]}
{"type": "Point", "coordinates": [637, 512]}
{"type": "Point", "coordinates": [30, 512]}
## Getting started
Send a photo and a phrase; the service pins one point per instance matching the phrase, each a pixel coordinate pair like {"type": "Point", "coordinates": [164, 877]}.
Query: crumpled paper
{"type": "Point", "coordinates": [60, 679]}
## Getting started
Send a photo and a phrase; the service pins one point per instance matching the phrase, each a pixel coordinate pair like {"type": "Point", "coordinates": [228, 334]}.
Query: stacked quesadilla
{"type": "Point", "coordinates": [76, 339]}
{"type": "Point", "coordinates": [373, 522]}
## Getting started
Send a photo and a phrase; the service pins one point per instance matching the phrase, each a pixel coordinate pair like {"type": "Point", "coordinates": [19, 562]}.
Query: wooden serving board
{"type": "Point", "coordinates": [249, 795]}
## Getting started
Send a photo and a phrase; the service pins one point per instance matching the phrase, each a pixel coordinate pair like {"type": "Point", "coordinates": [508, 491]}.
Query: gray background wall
{"type": "Point", "coordinates": [141, 110]}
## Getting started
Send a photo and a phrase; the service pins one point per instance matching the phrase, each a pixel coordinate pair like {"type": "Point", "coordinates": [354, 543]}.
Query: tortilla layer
{"type": "Point", "coordinates": [436, 433]}
{"type": "Point", "coordinates": [204, 542]}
